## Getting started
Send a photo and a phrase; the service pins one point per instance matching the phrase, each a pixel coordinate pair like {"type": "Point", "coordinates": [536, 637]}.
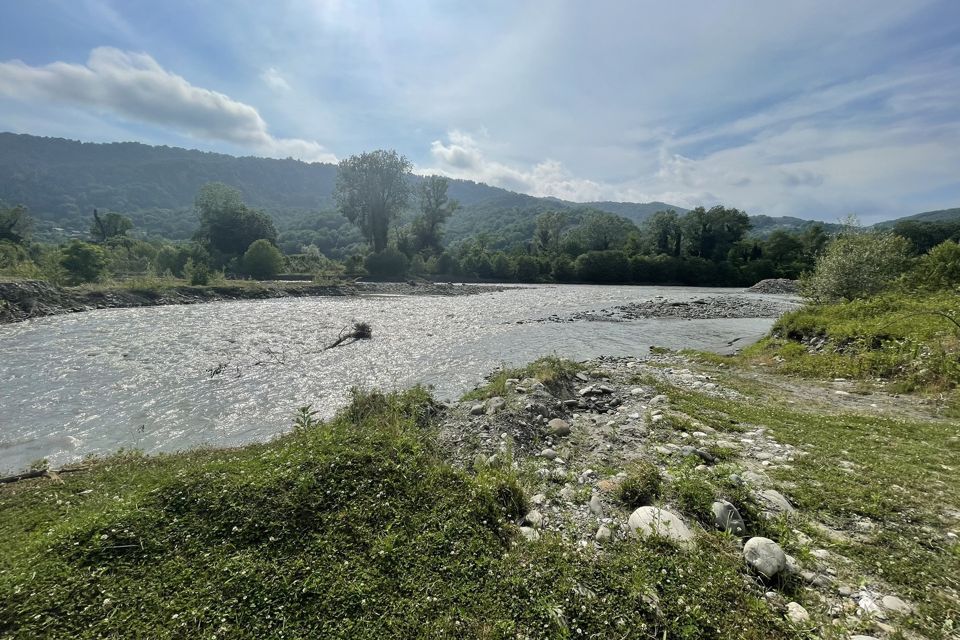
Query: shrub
{"type": "Point", "coordinates": [84, 262]}
{"type": "Point", "coordinates": [390, 263]}
{"type": "Point", "coordinates": [262, 260]}
{"type": "Point", "coordinates": [938, 269]}
{"type": "Point", "coordinates": [641, 486]}
{"type": "Point", "coordinates": [857, 264]}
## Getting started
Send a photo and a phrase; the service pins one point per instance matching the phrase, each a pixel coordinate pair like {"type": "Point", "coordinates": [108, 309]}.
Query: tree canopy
{"type": "Point", "coordinates": [371, 190]}
{"type": "Point", "coordinates": [227, 226]}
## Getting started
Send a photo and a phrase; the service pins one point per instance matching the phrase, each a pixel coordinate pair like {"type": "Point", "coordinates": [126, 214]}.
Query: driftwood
{"type": "Point", "coordinates": [40, 473]}
{"type": "Point", "coordinates": [359, 331]}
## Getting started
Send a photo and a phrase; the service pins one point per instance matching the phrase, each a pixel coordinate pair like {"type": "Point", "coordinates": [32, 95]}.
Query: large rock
{"type": "Point", "coordinates": [650, 521]}
{"type": "Point", "coordinates": [797, 614]}
{"type": "Point", "coordinates": [495, 403]}
{"type": "Point", "coordinates": [727, 518]}
{"type": "Point", "coordinates": [765, 556]}
{"type": "Point", "coordinates": [559, 427]}
{"type": "Point", "coordinates": [775, 501]}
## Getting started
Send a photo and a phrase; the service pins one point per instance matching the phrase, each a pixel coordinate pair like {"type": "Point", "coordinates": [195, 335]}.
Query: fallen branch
{"type": "Point", "coordinates": [40, 473]}
{"type": "Point", "coordinates": [360, 331]}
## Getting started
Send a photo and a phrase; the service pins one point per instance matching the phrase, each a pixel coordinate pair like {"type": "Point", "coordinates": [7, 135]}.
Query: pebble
{"type": "Point", "coordinates": [596, 507]}
{"type": "Point", "coordinates": [549, 454]}
{"type": "Point", "coordinates": [477, 410]}
{"type": "Point", "coordinates": [726, 517]}
{"type": "Point", "coordinates": [530, 533]}
{"type": "Point", "coordinates": [895, 604]}
{"type": "Point", "coordinates": [603, 534]}
{"type": "Point", "coordinates": [534, 519]}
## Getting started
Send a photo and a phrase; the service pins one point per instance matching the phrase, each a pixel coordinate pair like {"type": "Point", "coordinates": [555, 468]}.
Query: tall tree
{"type": "Point", "coordinates": [711, 234]}
{"type": "Point", "coordinates": [550, 226]}
{"type": "Point", "coordinates": [14, 224]}
{"type": "Point", "coordinates": [371, 190]}
{"type": "Point", "coordinates": [435, 208]}
{"type": "Point", "coordinates": [663, 233]}
{"type": "Point", "coordinates": [227, 226]}
{"type": "Point", "coordinates": [601, 231]}
{"type": "Point", "coordinates": [111, 225]}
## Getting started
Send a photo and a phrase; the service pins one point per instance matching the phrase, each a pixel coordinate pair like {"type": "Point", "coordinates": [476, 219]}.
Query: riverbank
{"type": "Point", "coordinates": [524, 509]}
{"type": "Point", "coordinates": [25, 299]}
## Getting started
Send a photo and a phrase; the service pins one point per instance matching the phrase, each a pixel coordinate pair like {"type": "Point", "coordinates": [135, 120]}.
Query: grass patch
{"type": "Point", "coordinates": [555, 373]}
{"type": "Point", "coordinates": [641, 486]}
{"type": "Point", "coordinates": [351, 528]}
{"type": "Point", "coordinates": [894, 336]}
{"type": "Point", "coordinates": [904, 479]}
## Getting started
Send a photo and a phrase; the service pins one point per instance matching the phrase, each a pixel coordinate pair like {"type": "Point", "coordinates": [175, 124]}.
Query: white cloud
{"type": "Point", "coordinates": [135, 87]}
{"type": "Point", "coordinates": [275, 80]}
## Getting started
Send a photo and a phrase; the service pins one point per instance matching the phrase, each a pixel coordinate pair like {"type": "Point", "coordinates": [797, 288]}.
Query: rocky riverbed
{"type": "Point", "coordinates": [706, 308]}
{"type": "Point", "coordinates": [22, 300]}
{"type": "Point", "coordinates": [577, 441]}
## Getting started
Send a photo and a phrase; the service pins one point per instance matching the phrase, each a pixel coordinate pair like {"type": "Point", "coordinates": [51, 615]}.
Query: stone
{"type": "Point", "coordinates": [648, 521]}
{"type": "Point", "coordinates": [726, 517]}
{"type": "Point", "coordinates": [860, 637]}
{"type": "Point", "coordinates": [559, 427]}
{"type": "Point", "coordinates": [596, 507]}
{"type": "Point", "coordinates": [549, 454]}
{"type": "Point", "coordinates": [534, 519]}
{"type": "Point", "coordinates": [764, 556]}
{"type": "Point", "coordinates": [582, 377]}
{"type": "Point", "coordinates": [567, 493]}
{"type": "Point", "coordinates": [657, 400]}
{"type": "Point", "coordinates": [776, 501]}
{"type": "Point", "coordinates": [603, 534]}
{"type": "Point", "coordinates": [895, 604]}
{"type": "Point", "coordinates": [530, 534]}
{"type": "Point", "coordinates": [495, 403]}
{"type": "Point", "coordinates": [539, 499]}
{"type": "Point", "coordinates": [796, 613]}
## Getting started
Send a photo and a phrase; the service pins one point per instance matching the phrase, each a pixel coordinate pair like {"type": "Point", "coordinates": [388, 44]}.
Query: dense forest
{"type": "Point", "coordinates": [74, 212]}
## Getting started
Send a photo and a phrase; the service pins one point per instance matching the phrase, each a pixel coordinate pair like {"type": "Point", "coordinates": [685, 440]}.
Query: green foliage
{"type": "Point", "coordinates": [14, 224]}
{"type": "Point", "coordinates": [555, 373]}
{"type": "Point", "coordinates": [603, 267]}
{"type": "Point", "coordinates": [83, 262]}
{"type": "Point", "coordinates": [227, 226]}
{"type": "Point", "coordinates": [390, 264]}
{"type": "Point", "coordinates": [895, 336]}
{"type": "Point", "coordinates": [435, 208]}
{"type": "Point", "coordinates": [372, 189]}
{"type": "Point", "coordinates": [351, 528]}
{"type": "Point", "coordinates": [937, 270]}
{"type": "Point", "coordinates": [857, 264]}
{"type": "Point", "coordinates": [262, 260]}
{"type": "Point", "coordinates": [111, 225]}
{"type": "Point", "coordinates": [692, 492]}
{"type": "Point", "coordinates": [641, 486]}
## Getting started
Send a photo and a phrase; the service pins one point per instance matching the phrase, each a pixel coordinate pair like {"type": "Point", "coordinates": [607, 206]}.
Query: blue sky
{"type": "Point", "coordinates": [816, 109]}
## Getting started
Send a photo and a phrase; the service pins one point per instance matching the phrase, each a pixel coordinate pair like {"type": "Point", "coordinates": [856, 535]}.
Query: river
{"type": "Point", "coordinates": [228, 373]}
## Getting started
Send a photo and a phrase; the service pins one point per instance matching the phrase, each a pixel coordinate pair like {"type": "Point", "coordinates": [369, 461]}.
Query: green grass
{"type": "Point", "coordinates": [554, 372]}
{"type": "Point", "coordinates": [906, 481]}
{"type": "Point", "coordinates": [897, 337]}
{"type": "Point", "coordinates": [352, 528]}
{"type": "Point", "coordinates": [641, 486]}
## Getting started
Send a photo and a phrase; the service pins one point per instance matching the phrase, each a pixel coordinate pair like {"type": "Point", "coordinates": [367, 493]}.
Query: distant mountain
{"type": "Point", "coordinates": [941, 215]}
{"type": "Point", "coordinates": [763, 226]}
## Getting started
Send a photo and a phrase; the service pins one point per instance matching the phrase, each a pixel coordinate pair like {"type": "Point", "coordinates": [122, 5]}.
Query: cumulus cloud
{"type": "Point", "coordinates": [135, 87]}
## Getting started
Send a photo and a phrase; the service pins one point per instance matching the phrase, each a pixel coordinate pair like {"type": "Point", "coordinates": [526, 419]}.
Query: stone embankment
{"type": "Point", "coordinates": [22, 300]}
{"type": "Point", "coordinates": [578, 441]}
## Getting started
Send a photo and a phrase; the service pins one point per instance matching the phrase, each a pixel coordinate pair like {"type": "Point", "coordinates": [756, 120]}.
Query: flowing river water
{"type": "Point", "coordinates": [228, 373]}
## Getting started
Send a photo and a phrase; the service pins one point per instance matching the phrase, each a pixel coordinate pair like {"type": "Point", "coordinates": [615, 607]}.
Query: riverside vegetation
{"type": "Point", "coordinates": [681, 495]}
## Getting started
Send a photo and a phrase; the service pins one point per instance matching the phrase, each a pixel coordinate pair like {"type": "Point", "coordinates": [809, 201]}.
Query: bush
{"type": "Point", "coordinates": [939, 269]}
{"type": "Point", "coordinates": [84, 262]}
{"type": "Point", "coordinates": [857, 264]}
{"type": "Point", "coordinates": [641, 486]}
{"type": "Point", "coordinates": [262, 260]}
{"type": "Point", "coordinates": [390, 263]}
{"type": "Point", "coordinates": [603, 266]}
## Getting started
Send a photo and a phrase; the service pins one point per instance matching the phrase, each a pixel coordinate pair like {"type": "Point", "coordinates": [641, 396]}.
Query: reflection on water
{"type": "Point", "coordinates": [144, 378]}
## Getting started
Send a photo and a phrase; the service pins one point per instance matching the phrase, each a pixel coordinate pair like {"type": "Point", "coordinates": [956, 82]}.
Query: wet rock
{"type": "Point", "coordinates": [648, 521]}
{"type": "Point", "coordinates": [764, 556]}
{"type": "Point", "coordinates": [726, 517]}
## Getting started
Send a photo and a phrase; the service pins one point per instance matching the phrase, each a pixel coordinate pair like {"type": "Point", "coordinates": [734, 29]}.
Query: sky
{"type": "Point", "coordinates": [814, 108]}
